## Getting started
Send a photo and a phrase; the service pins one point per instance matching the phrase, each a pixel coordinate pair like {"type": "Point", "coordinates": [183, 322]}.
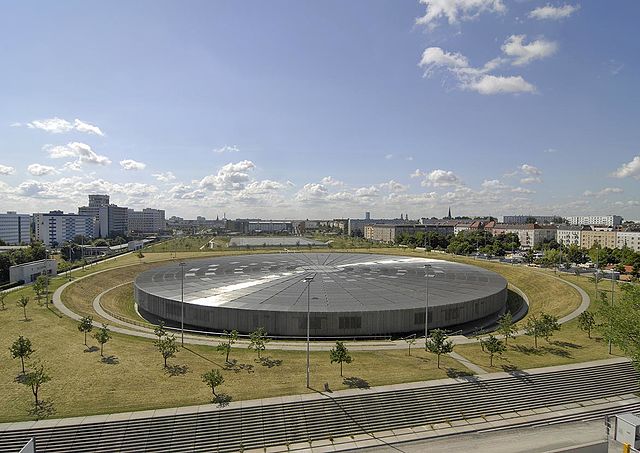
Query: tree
{"type": "Point", "coordinates": [506, 327]}
{"type": "Point", "coordinates": [493, 346]}
{"type": "Point", "coordinates": [102, 335]}
{"type": "Point", "coordinates": [410, 341]}
{"type": "Point", "coordinates": [85, 326]}
{"type": "Point", "coordinates": [586, 322]}
{"type": "Point", "coordinates": [22, 302]}
{"type": "Point", "coordinates": [21, 348]}
{"type": "Point", "coordinates": [621, 321]}
{"type": "Point", "coordinates": [167, 347]}
{"type": "Point", "coordinates": [35, 379]}
{"type": "Point", "coordinates": [541, 326]}
{"type": "Point", "coordinates": [159, 330]}
{"type": "Point", "coordinates": [39, 286]}
{"type": "Point", "coordinates": [438, 344]}
{"type": "Point", "coordinates": [340, 354]}
{"type": "Point", "coordinates": [213, 379]}
{"type": "Point", "coordinates": [3, 296]}
{"type": "Point", "coordinates": [225, 347]}
{"type": "Point", "coordinates": [140, 255]}
{"type": "Point", "coordinates": [258, 340]}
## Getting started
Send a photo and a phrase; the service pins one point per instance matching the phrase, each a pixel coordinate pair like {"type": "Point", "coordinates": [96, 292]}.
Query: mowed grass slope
{"type": "Point", "coordinates": [133, 377]}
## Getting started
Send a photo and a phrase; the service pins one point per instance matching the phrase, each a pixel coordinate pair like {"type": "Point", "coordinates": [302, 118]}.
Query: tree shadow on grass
{"type": "Point", "coordinates": [528, 350]}
{"type": "Point", "coordinates": [176, 370]}
{"type": "Point", "coordinates": [233, 365]}
{"type": "Point", "coordinates": [566, 344]}
{"type": "Point", "coordinates": [21, 378]}
{"type": "Point", "coordinates": [454, 373]}
{"type": "Point", "coordinates": [222, 400]}
{"type": "Point", "coordinates": [92, 349]}
{"type": "Point", "coordinates": [110, 360]}
{"type": "Point", "coordinates": [354, 382]}
{"type": "Point", "coordinates": [43, 410]}
{"type": "Point", "coordinates": [269, 362]}
{"type": "Point", "coordinates": [557, 352]}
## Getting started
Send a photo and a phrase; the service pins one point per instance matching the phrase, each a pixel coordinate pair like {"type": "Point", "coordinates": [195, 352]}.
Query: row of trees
{"type": "Point", "coordinates": [464, 243]}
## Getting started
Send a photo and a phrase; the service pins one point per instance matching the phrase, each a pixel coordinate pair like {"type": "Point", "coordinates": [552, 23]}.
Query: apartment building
{"type": "Point", "coordinates": [55, 228]}
{"type": "Point", "coordinates": [15, 229]}
{"type": "Point", "coordinates": [606, 220]}
{"type": "Point", "coordinates": [603, 238]}
{"type": "Point", "coordinates": [530, 234]}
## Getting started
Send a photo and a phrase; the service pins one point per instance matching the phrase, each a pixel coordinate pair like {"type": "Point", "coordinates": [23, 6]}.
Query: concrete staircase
{"type": "Point", "coordinates": [253, 425]}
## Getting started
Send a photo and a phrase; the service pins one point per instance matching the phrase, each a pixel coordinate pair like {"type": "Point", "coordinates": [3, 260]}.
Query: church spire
{"type": "Point", "coordinates": [449, 216]}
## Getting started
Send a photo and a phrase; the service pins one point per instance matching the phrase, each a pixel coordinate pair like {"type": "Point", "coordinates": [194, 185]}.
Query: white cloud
{"type": "Point", "coordinates": [227, 149]}
{"type": "Point", "coordinates": [4, 170]}
{"type": "Point", "coordinates": [264, 186]}
{"type": "Point", "coordinates": [472, 78]}
{"type": "Point", "coordinates": [388, 156]}
{"type": "Point", "coordinates": [522, 190]}
{"type": "Point", "coordinates": [550, 12]}
{"type": "Point", "coordinates": [550, 150]}
{"type": "Point", "coordinates": [454, 10]}
{"type": "Point", "coordinates": [312, 192]}
{"type": "Point", "coordinates": [435, 57]}
{"type": "Point", "coordinates": [530, 170]}
{"type": "Point", "coordinates": [441, 178]}
{"type": "Point", "coordinates": [41, 170]}
{"type": "Point", "coordinates": [493, 184]}
{"type": "Point", "coordinates": [631, 168]}
{"type": "Point", "coordinates": [531, 180]}
{"type": "Point", "coordinates": [603, 192]}
{"type": "Point", "coordinates": [489, 84]}
{"type": "Point", "coordinates": [81, 151]}
{"type": "Point", "coordinates": [165, 176]}
{"type": "Point", "coordinates": [331, 181]}
{"type": "Point", "coordinates": [59, 126]}
{"type": "Point", "coordinates": [81, 126]}
{"type": "Point", "coordinates": [524, 54]}
{"type": "Point", "coordinates": [393, 186]}
{"type": "Point", "coordinates": [229, 177]}
{"type": "Point", "coordinates": [130, 164]}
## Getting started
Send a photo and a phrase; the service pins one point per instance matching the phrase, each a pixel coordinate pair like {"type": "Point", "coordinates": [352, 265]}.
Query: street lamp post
{"type": "Point", "coordinates": [612, 294]}
{"type": "Point", "coordinates": [182, 263]}
{"type": "Point", "coordinates": [308, 280]}
{"type": "Point", "coordinates": [427, 268]}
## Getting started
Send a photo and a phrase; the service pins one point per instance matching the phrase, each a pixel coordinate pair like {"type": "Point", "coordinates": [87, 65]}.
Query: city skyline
{"type": "Point", "coordinates": [292, 110]}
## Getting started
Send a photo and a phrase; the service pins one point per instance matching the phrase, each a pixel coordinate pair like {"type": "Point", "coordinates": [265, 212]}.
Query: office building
{"type": "Point", "coordinates": [55, 228]}
{"type": "Point", "coordinates": [110, 219]}
{"type": "Point", "coordinates": [15, 229]}
{"type": "Point", "coordinates": [605, 220]}
{"type": "Point", "coordinates": [147, 221]}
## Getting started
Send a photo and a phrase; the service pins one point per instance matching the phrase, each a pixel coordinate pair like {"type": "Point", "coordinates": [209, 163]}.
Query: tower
{"type": "Point", "coordinates": [449, 216]}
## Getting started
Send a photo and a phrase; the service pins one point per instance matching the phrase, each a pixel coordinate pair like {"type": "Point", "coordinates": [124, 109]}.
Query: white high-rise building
{"type": "Point", "coordinates": [605, 220]}
{"type": "Point", "coordinates": [55, 228]}
{"type": "Point", "coordinates": [629, 239]}
{"type": "Point", "coordinates": [111, 219]}
{"type": "Point", "coordinates": [15, 229]}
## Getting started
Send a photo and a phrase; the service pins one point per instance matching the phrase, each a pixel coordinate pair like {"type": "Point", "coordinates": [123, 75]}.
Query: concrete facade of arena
{"type": "Point", "coordinates": [346, 301]}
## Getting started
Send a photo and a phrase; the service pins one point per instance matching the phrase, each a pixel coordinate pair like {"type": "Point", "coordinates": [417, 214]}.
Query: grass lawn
{"type": "Point", "coordinates": [133, 378]}
{"type": "Point", "coordinates": [120, 301]}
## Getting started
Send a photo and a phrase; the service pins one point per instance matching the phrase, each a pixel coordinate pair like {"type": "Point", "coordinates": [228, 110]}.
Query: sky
{"type": "Point", "coordinates": [306, 109]}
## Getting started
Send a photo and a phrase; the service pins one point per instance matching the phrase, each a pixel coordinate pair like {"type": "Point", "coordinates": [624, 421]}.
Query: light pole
{"type": "Point", "coordinates": [182, 263]}
{"type": "Point", "coordinates": [308, 280]}
{"type": "Point", "coordinates": [427, 269]}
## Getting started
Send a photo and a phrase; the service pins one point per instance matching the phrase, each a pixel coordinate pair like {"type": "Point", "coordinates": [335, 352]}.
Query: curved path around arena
{"type": "Point", "coordinates": [127, 328]}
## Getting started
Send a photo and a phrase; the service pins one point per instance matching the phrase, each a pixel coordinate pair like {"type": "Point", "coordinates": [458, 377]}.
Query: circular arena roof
{"type": "Point", "coordinates": [343, 282]}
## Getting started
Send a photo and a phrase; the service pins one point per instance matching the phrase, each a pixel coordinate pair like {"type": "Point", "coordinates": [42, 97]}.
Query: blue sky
{"type": "Point", "coordinates": [322, 109]}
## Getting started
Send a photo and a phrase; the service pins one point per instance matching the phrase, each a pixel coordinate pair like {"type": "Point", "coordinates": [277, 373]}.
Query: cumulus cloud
{"type": "Point", "coordinates": [438, 178]}
{"type": "Point", "coordinates": [489, 84]}
{"type": "Point", "coordinates": [550, 12]}
{"type": "Point", "coordinates": [81, 151]}
{"type": "Point", "coordinates": [232, 176]}
{"type": "Point", "coordinates": [530, 170]}
{"type": "Point", "coordinates": [331, 181]}
{"type": "Point", "coordinates": [472, 78]}
{"type": "Point", "coordinates": [393, 186]}
{"type": "Point", "coordinates": [130, 164]}
{"type": "Point", "coordinates": [603, 192]}
{"type": "Point", "coordinates": [493, 184]}
{"type": "Point", "coordinates": [455, 10]}
{"type": "Point", "coordinates": [531, 180]}
{"type": "Point", "coordinates": [631, 168]}
{"type": "Point", "coordinates": [524, 54]}
{"type": "Point", "coordinates": [165, 176]}
{"type": "Point", "coordinates": [41, 170]}
{"type": "Point", "coordinates": [227, 149]}
{"type": "Point", "coordinates": [522, 190]}
{"type": "Point", "coordinates": [5, 170]}
{"type": "Point", "coordinates": [59, 126]}
{"type": "Point", "coordinates": [312, 192]}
